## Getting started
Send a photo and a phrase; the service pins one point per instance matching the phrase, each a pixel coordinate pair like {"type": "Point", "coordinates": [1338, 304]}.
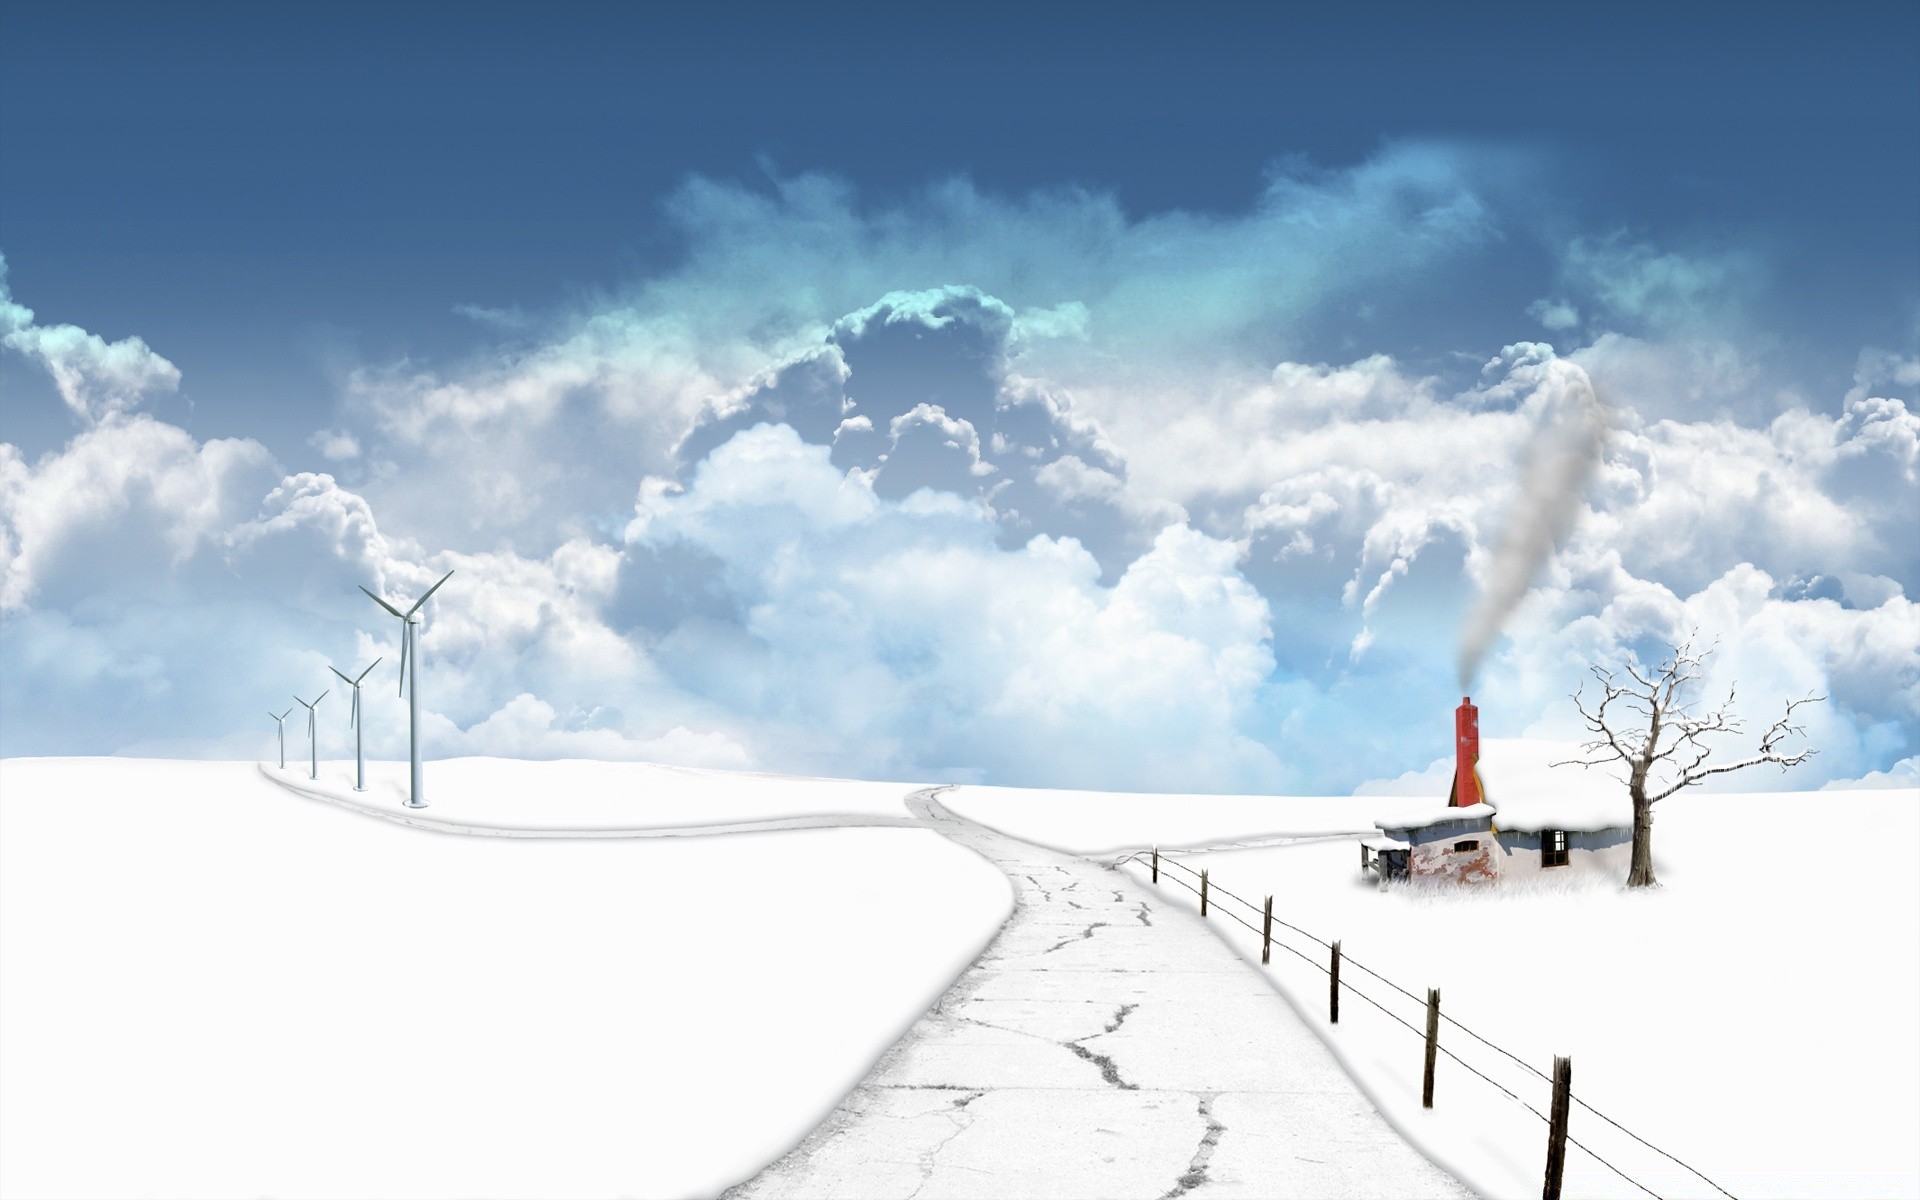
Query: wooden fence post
{"type": "Point", "coordinates": [1333, 986]}
{"type": "Point", "coordinates": [1156, 864]}
{"type": "Point", "coordinates": [1433, 1045]}
{"type": "Point", "coordinates": [1557, 1127]}
{"type": "Point", "coordinates": [1203, 891]}
{"type": "Point", "coordinates": [1266, 935]}
{"type": "Point", "coordinates": [1363, 856]}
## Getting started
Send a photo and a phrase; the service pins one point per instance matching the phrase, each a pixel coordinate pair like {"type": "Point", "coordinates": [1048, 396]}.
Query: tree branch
{"type": "Point", "coordinates": [1659, 698]}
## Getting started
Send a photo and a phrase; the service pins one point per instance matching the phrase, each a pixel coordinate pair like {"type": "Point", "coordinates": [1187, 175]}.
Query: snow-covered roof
{"type": "Point", "coordinates": [1436, 815]}
{"type": "Point", "coordinates": [1529, 794]}
{"type": "Point", "coordinates": [1383, 842]}
{"type": "Point", "coordinates": [1525, 793]}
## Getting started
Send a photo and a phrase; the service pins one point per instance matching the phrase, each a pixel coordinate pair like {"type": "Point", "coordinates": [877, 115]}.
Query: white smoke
{"type": "Point", "coordinates": [1560, 460]}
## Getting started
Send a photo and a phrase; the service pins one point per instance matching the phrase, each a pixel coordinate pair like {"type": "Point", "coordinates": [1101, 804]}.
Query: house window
{"type": "Point", "coordinates": [1469, 844]}
{"type": "Point", "coordinates": [1553, 848]}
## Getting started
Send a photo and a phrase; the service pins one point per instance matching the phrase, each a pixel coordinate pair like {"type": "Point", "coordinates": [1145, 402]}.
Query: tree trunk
{"type": "Point", "coordinates": [1641, 874]}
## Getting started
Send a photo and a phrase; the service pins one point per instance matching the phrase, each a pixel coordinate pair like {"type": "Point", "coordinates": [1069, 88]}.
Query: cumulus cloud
{"type": "Point", "coordinates": [1866, 661]}
{"type": "Point", "coordinates": [1903, 774]}
{"type": "Point", "coordinates": [919, 390]}
{"type": "Point", "coordinates": [95, 377]}
{"type": "Point", "coordinates": [1019, 488]}
{"type": "Point", "coordinates": [543, 437]}
{"type": "Point", "coordinates": [529, 727]}
{"type": "Point", "coordinates": [125, 501]}
{"type": "Point", "coordinates": [161, 592]}
{"type": "Point", "coordinates": [899, 636]}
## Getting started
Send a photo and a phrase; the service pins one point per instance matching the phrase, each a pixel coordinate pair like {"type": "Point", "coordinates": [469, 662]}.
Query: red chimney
{"type": "Point", "coordinates": [1466, 753]}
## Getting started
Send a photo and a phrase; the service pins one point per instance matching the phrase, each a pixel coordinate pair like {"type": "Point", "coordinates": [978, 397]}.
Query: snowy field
{"type": "Point", "coordinates": [1113, 822]}
{"type": "Point", "coordinates": [1755, 1016]}
{"type": "Point", "coordinates": [210, 987]}
{"type": "Point", "coordinates": [584, 794]}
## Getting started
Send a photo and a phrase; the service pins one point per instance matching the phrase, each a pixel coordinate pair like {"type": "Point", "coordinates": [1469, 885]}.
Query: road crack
{"type": "Point", "coordinates": [962, 1121]}
{"type": "Point", "coordinates": [1085, 935]}
{"type": "Point", "coordinates": [1196, 1173]}
{"type": "Point", "coordinates": [1046, 896]}
{"type": "Point", "coordinates": [1108, 1071]}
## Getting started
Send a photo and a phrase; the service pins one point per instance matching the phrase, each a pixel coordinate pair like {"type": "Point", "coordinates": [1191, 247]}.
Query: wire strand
{"type": "Point", "coordinates": [1649, 1145]}
{"type": "Point", "coordinates": [1213, 887]}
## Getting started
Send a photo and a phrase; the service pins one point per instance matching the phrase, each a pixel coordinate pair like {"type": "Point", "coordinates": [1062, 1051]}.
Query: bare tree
{"type": "Point", "coordinates": [1652, 725]}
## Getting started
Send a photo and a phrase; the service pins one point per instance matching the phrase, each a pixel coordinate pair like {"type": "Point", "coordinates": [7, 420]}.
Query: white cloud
{"type": "Point", "coordinates": [522, 441]}
{"type": "Point", "coordinates": [528, 727]}
{"type": "Point", "coordinates": [1556, 315]}
{"type": "Point", "coordinates": [1689, 379]}
{"type": "Point", "coordinates": [95, 377]}
{"type": "Point", "coordinates": [1653, 288]}
{"type": "Point", "coordinates": [970, 485]}
{"type": "Point", "coordinates": [167, 589]}
{"type": "Point", "coordinates": [1903, 774]}
{"type": "Point", "coordinates": [126, 499]}
{"type": "Point", "coordinates": [335, 445]}
{"type": "Point", "coordinates": [897, 637]}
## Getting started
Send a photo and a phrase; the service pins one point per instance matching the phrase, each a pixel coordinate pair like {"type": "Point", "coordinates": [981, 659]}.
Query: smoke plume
{"type": "Point", "coordinates": [1560, 460]}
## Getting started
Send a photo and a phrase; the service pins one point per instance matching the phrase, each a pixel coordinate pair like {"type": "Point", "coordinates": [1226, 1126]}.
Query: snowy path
{"type": "Point", "coordinates": [410, 818]}
{"type": "Point", "coordinates": [1104, 1045]}
{"type": "Point", "coordinates": [1264, 842]}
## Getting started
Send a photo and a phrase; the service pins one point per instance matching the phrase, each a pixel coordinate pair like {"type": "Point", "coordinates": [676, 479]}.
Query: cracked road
{"type": "Point", "coordinates": [1105, 1045]}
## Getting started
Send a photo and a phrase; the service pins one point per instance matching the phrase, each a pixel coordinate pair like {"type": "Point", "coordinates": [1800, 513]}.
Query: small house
{"type": "Point", "coordinates": [1510, 813]}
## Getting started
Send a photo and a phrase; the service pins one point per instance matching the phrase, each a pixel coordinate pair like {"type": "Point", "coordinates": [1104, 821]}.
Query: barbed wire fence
{"type": "Point", "coordinates": [1206, 889]}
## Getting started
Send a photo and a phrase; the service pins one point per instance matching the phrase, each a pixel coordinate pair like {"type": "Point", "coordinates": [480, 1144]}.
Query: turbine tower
{"type": "Point", "coordinates": [359, 759]}
{"type": "Point", "coordinates": [281, 722]}
{"type": "Point", "coordinates": [410, 652]}
{"type": "Point", "coordinates": [313, 734]}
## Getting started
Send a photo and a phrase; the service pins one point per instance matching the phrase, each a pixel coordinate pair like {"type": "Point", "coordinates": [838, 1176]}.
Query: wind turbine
{"type": "Point", "coordinates": [313, 734]}
{"type": "Point", "coordinates": [410, 652]}
{"type": "Point", "coordinates": [281, 722]}
{"type": "Point", "coordinates": [359, 759]}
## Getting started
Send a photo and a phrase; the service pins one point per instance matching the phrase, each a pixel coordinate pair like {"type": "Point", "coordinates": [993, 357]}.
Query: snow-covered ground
{"type": "Point", "coordinates": [1754, 1016]}
{"type": "Point", "coordinates": [1107, 1045]}
{"type": "Point", "coordinates": [585, 794]}
{"type": "Point", "coordinates": [211, 987]}
{"type": "Point", "coordinates": [1100, 822]}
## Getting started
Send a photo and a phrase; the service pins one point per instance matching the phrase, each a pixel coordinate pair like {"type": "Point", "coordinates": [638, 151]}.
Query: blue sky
{"type": "Point", "coordinates": [1216, 341]}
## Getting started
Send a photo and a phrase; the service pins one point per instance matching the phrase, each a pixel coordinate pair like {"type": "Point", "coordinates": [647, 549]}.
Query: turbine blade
{"type": "Point", "coordinates": [365, 673]}
{"type": "Point", "coordinates": [403, 664]}
{"type": "Point", "coordinates": [383, 604]}
{"type": "Point", "coordinates": [336, 671]}
{"type": "Point", "coordinates": [430, 591]}
{"type": "Point", "coordinates": [321, 696]}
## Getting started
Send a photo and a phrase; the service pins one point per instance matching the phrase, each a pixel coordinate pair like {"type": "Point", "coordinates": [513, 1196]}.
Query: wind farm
{"type": "Point", "coordinates": [411, 621]}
